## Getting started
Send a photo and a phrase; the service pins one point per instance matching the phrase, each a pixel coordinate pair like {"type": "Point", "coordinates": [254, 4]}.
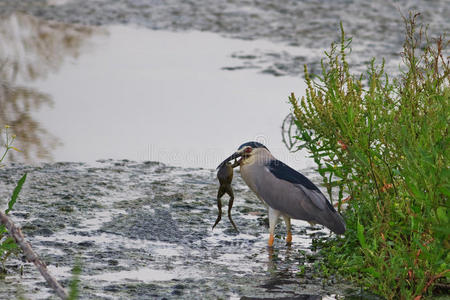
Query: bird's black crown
{"type": "Point", "coordinates": [253, 145]}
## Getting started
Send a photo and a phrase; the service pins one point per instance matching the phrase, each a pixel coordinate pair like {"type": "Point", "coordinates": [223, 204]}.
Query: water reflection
{"type": "Point", "coordinates": [281, 266]}
{"type": "Point", "coordinates": [276, 264]}
{"type": "Point", "coordinates": [31, 49]}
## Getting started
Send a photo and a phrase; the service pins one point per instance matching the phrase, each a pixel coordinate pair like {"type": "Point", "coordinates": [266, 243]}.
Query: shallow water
{"type": "Point", "coordinates": [181, 94]}
{"type": "Point", "coordinates": [143, 230]}
{"type": "Point", "coordinates": [165, 98]}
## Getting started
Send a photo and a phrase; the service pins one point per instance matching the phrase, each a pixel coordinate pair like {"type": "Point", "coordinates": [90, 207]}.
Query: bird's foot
{"type": "Point", "coordinates": [271, 239]}
{"type": "Point", "coordinates": [289, 238]}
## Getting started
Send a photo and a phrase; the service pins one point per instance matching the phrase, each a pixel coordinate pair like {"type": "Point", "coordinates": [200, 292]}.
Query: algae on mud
{"type": "Point", "coordinates": [143, 230]}
{"type": "Point", "coordinates": [309, 24]}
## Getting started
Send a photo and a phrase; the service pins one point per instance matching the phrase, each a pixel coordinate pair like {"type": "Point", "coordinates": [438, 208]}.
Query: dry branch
{"type": "Point", "coordinates": [31, 256]}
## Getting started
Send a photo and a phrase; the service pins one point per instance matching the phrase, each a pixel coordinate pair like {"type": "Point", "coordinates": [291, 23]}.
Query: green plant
{"type": "Point", "coordinates": [8, 143]}
{"type": "Point", "coordinates": [74, 285]}
{"type": "Point", "coordinates": [7, 244]}
{"type": "Point", "coordinates": [382, 143]}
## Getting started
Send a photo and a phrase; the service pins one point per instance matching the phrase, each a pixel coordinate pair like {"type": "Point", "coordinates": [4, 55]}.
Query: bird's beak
{"type": "Point", "coordinates": [233, 156]}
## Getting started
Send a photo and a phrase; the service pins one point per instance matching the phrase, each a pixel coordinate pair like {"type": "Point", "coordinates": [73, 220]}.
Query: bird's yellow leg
{"type": "Point", "coordinates": [273, 218]}
{"type": "Point", "coordinates": [289, 237]}
{"type": "Point", "coordinates": [287, 220]}
{"type": "Point", "coordinates": [271, 238]}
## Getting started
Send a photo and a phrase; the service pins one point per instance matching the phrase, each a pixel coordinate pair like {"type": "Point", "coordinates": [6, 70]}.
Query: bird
{"type": "Point", "coordinates": [285, 191]}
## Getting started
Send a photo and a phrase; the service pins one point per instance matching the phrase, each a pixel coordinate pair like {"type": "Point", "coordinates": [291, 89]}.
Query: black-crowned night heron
{"type": "Point", "coordinates": [284, 191]}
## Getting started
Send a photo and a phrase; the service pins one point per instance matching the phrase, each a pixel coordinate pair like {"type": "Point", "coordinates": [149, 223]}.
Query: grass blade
{"type": "Point", "coordinates": [16, 193]}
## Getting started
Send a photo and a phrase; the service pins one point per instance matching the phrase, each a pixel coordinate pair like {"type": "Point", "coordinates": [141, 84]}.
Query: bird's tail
{"type": "Point", "coordinates": [333, 221]}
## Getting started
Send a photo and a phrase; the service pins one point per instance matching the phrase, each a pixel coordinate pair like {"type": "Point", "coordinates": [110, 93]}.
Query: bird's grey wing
{"type": "Point", "coordinates": [284, 172]}
{"type": "Point", "coordinates": [288, 191]}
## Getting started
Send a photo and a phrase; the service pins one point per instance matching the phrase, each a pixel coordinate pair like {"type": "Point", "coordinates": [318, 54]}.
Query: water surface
{"type": "Point", "coordinates": [126, 92]}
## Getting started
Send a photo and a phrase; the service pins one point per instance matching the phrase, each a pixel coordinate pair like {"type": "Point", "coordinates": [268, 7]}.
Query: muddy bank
{"type": "Point", "coordinates": [376, 26]}
{"type": "Point", "coordinates": [143, 230]}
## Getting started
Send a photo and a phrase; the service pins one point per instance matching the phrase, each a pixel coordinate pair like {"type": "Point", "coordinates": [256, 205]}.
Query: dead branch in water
{"type": "Point", "coordinates": [31, 256]}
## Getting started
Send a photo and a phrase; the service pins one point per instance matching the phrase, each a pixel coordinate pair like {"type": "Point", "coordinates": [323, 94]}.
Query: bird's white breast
{"type": "Point", "coordinates": [251, 168]}
{"type": "Point", "coordinates": [246, 170]}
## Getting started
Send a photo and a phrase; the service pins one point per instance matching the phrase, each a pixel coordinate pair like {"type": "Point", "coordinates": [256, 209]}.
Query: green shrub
{"type": "Point", "coordinates": [382, 143]}
{"type": "Point", "coordinates": [7, 244]}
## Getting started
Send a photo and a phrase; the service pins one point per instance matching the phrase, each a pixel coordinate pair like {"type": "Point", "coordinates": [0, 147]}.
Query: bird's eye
{"type": "Point", "coordinates": [248, 150]}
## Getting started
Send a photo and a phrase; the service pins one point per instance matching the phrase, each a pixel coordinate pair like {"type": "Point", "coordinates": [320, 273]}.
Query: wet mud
{"type": "Point", "coordinates": [376, 26]}
{"type": "Point", "coordinates": [143, 230]}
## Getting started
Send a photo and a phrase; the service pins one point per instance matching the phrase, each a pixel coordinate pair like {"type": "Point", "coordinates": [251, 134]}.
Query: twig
{"type": "Point", "coordinates": [31, 256]}
{"type": "Point", "coordinates": [433, 278]}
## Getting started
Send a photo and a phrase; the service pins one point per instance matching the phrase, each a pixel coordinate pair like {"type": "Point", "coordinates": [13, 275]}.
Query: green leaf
{"type": "Point", "coordinates": [74, 284]}
{"type": "Point", "coordinates": [9, 244]}
{"type": "Point", "coordinates": [360, 234]}
{"type": "Point", "coordinates": [362, 158]}
{"type": "Point", "coordinates": [445, 190]}
{"type": "Point", "coordinates": [350, 115]}
{"type": "Point", "coordinates": [305, 136]}
{"type": "Point", "coordinates": [16, 193]}
{"type": "Point", "coordinates": [372, 271]}
{"type": "Point", "coordinates": [418, 193]}
{"type": "Point", "coordinates": [442, 214]}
